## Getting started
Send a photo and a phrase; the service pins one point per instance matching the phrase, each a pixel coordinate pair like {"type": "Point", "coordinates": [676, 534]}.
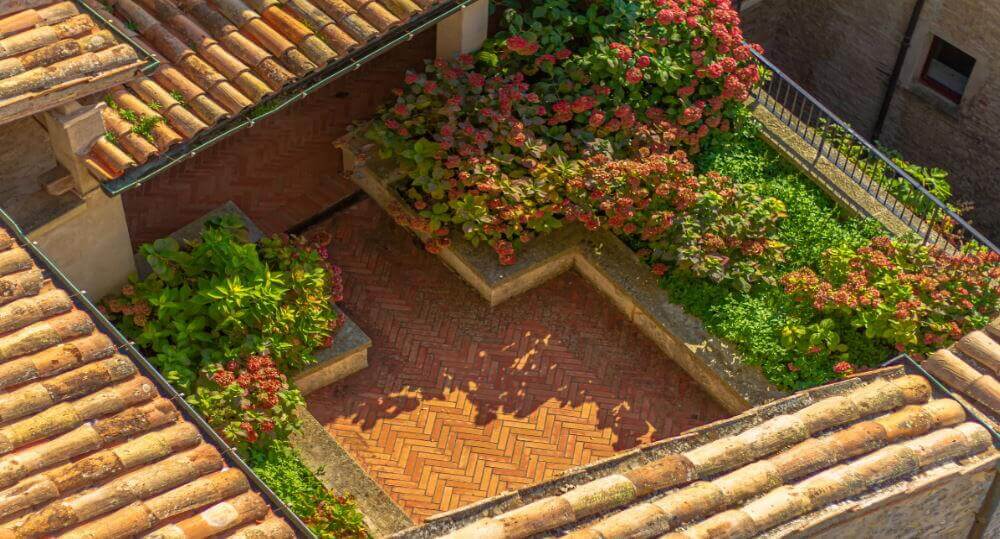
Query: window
{"type": "Point", "coordinates": [947, 69]}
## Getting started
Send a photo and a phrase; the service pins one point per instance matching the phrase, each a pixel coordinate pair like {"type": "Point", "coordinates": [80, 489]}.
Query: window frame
{"type": "Point", "coordinates": [937, 43]}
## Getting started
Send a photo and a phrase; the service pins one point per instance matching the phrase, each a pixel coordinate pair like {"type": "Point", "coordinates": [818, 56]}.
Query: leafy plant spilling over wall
{"type": "Point", "coordinates": [489, 141]}
{"type": "Point", "coordinates": [630, 117]}
{"type": "Point", "coordinates": [227, 321]}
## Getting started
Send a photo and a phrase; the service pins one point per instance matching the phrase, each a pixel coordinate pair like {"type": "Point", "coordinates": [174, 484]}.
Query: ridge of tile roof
{"type": "Point", "coordinates": [970, 367]}
{"type": "Point", "coordinates": [829, 448]}
{"type": "Point", "coordinates": [88, 446]}
{"type": "Point", "coordinates": [221, 57]}
{"type": "Point", "coordinates": [51, 54]}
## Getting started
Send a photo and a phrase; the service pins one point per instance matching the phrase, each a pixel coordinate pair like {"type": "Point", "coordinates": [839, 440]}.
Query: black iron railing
{"type": "Point", "coordinates": [866, 166]}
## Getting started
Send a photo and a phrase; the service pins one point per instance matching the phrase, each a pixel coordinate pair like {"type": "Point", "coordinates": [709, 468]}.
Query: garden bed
{"type": "Point", "coordinates": [607, 263]}
{"type": "Point", "coordinates": [296, 470]}
{"type": "Point", "coordinates": [349, 352]}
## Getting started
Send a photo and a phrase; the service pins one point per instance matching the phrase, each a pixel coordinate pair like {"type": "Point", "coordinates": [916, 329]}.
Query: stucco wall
{"type": "Point", "coordinates": [90, 244]}
{"type": "Point", "coordinates": [843, 51]}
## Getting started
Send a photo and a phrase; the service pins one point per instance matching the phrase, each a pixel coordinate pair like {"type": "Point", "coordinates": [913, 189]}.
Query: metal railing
{"type": "Point", "coordinates": [866, 166]}
{"type": "Point", "coordinates": [127, 347]}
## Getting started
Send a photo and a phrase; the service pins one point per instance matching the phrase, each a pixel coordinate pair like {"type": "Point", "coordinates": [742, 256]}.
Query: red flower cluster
{"type": "Point", "coordinates": [260, 381]}
{"type": "Point", "coordinates": [249, 399]}
{"type": "Point", "coordinates": [916, 297]}
{"type": "Point", "coordinates": [519, 45]}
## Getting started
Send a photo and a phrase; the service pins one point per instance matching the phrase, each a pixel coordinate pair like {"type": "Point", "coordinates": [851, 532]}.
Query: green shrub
{"type": "Point", "coordinates": [226, 320]}
{"type": "Point", "coordinates": [753, 320]}
{"type": "Point", "coordinates": [903, 293]}
{"type": "Point", "coordinates": [326, 514]}
{"type": "Point", "coordinates": [484, 141]}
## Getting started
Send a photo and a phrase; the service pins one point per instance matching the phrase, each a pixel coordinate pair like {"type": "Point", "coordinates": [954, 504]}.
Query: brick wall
{"type": "Point", "coordinates": [843, 52]}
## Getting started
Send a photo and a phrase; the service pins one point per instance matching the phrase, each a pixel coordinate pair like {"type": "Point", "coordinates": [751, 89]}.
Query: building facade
{"type": "Point", "coordinates": [919, 76]}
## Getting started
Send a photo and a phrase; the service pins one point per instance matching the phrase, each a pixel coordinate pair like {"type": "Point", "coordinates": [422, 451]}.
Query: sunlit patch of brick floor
{"type": "Point", "coordinates": [462, 401]}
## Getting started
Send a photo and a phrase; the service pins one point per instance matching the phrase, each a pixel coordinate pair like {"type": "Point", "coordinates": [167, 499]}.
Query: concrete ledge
{"type": "Point", "coordinates": [607, 263]}
{"type": "Point", "coordinates": [335, 468]}
{"type": "Point", "coordinates": [347, 355]}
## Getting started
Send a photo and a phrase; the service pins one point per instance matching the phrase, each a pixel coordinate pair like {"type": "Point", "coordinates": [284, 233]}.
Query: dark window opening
{"type": "Point", "coordinates": [947, 69]}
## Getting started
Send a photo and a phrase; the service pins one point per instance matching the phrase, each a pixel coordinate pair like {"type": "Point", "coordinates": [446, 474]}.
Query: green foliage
{"type": "Point", "coordinates": [326, 514]}
{"type": "Point", "coordinates": [142, 125]}
{"type": "Point", "coordinates": [216, 304]}
{"type": "Point", "coordinates": [178, 97]}
{"type": "Point", "coordinates": [753, 320]}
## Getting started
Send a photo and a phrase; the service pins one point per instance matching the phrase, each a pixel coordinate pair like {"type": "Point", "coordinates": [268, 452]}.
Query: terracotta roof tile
{"type": "Point", "coordinates": [971, 366]}
{"type": "Point", "coordinates": [88, 447]}
{"type": "Point", "coordinates": [262, 62]}
{"type": "Point", "coordinates": [179, 118]}
{"type": "Point", "coordinates": [836, 484]}
{"type": "Point", "coordinates": [269, 529]}
{"type": "Point", "coordinates": [223, 516]}
{"type": "Point", "coordinates": [223, 56]}
{"type": "Point", "coordinates": [763, 476]}
{"type": "Point", "coordinates": [51, 54]}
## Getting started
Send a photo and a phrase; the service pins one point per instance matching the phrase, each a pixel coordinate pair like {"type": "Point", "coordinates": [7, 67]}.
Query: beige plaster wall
{"type": "Point", "coordinates": [90, 244]}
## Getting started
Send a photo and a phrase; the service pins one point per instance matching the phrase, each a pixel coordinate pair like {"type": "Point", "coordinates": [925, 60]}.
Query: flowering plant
{"type": "Point", "coordinates": [258, 310]}
{"type": "Point", "coordinates": [702, 224]}
{"type": "Point", "coordinates": [485, 141]}
{"type": "Point", "coordinates": [914, 297]}
{"type": "Point", "coordinates": [248, 401]}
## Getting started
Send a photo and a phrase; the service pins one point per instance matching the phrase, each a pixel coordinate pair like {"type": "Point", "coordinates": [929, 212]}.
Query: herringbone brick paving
{"type": "Point", "coordinates": [282, 170]}
{"type": "Point", "coordinates": [461, 401]}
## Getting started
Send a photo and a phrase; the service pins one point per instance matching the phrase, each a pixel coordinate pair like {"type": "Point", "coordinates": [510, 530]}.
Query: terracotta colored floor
{"type": "Point", "coordinates": [284, 169]}
{"type": "Point", "coordinates": [461, 401]}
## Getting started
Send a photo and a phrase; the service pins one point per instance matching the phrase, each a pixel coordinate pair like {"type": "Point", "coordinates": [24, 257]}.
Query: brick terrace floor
{"type": "Point", "coordinates": [283, 170]}
{"type": "Point", "coordinates": [462, 401]}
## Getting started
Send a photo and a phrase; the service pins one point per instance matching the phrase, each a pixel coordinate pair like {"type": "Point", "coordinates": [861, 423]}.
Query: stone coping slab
{"type": "Point", "coordinates": [347, 355]}
{"type": "Point", "coordinates": [339, 472]}
{"type": "Point", "coordinates": [607, 263]}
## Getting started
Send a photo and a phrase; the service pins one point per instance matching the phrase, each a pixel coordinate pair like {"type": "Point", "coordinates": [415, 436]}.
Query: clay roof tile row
{"type": "Point", "coordinates": [748, 482]}
{"type": "Point", "coordinates": [54, 53]}
{"type": "Point", "coordinates": [88, 446]}
{"type": "Point", "coordinates": [971, 368]}
{"type": "Point", "coordinates": [219, 57]}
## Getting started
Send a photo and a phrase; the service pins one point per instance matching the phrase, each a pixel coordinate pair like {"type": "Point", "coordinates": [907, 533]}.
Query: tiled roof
{"type": "Point", "coordinates": [88, 446]}
{"type": "Point", "coordinates": [54, 53]}
{"type": "Point", "coordinates": [220, 57]}
{"type": "Point", "coordinates": [971, 367]}
{"type": "Point", "coordinates": [747, 481]}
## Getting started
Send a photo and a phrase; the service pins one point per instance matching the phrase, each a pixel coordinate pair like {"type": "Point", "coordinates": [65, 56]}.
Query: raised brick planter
{"type": "Point", "coordinates": [321, 453]}
{"type": "Point", "coordinates": [349, 352]}
{"type": "Point", "coordinates": [603, 260]}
